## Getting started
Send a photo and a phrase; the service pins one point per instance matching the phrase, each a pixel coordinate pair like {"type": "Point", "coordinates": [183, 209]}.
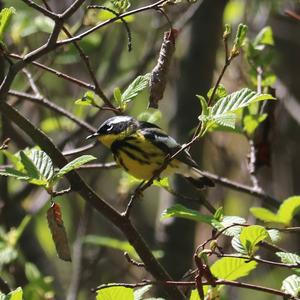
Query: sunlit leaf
{"type": "Point", "coordinates": [220, 92]}
{"type": "Point", "coordinates": [238, 246]}
{"type": "Point", "coordinates": [74, 164]}
{"type": "Point", "coordinates": [264, 214]}
{"type": "Point", "coordinates": [289, 258]}
{"type": "Point", "coordinates": [237, 100]}
{"type": "Point", "coordinates": [151, 115]}
{"type": "Point", "coordinates": [180, 211]}
{"type": "Point", "coordinates": [291, 285]}
{"type": "Point", "coordinates": [232, 268]}
{"type": "Point", "coordinates": [138, 85]}
{"type": "Point", "coordinates": [5, 15]}
{"type": "Point", "coordinates": [250, 236]}
{"type": "Point", "coordinates": [251, 122]}
{"type": "Point", "coordinates": [115, 292]}
{"type": "Point", "coordinates": [288, 209]}
{"type": "Point", "coordinates": [265, 36]}
{"type": "Point", "coordinates": [139, 293]}
{"type": "Point", "coordinates": [17, 294]}
{"type": "Point", "coordinates": [228, 221]}
{"type": "Point", "coordinates": [274, 234]}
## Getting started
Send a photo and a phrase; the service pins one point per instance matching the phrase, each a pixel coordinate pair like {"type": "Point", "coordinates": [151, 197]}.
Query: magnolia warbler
{"type": "Point", "coordinates": [142, 147]}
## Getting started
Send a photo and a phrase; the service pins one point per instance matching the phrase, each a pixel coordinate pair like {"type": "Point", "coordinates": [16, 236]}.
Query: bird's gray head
{"type": "Point", "coordinates": [114, 128]}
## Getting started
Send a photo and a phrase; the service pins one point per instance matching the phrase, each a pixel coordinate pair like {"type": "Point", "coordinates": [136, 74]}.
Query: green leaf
{"type": "Point", "coordinates": [228, 221]}
{"type": "Point", "coordinates": [14, 173]}
{"type": "Point", "coordinates": [250, 236]}
{"type": "Point", "coordinates": [263, 214]}
{"type": "Point", "coordinates": [227, 119]}
{"type": "Point", "coordinates": [275, 235]}
{"type": "Point", "coordinates": [220, 92]}
{"type": "Point", "coordinates": [204, 105]}
{"type": "Point", "coordinates": [239, 39]}
{"type": "Point", "coordinates": [237, 100]}
{"type": "Point", "coordinates": [139, 293]}
{"type": "Point", "coordinates": [232, 268]}
{"type": "Point", "coordinates": [17, 294]}
{"type": "Point", "coordinates": [251, 122]}
{"type": "Point", "coordinates": [5, 15]}
{"type": "Point", "coordinates": [15, 159]}
{"type": "Point", "coordinates": [111, 243]}
{"type": "Point", "coordinates": [74, 164]}
{"type": "Point", "coordinates": [288, 209]}
{"type": "Point", "coordinates": [194, 295]}
{"type": "Point", "coordinates": [115, 292]}
{"type": "Point", "coordinates": [138, 85]}
{"type": "Point", "coordinates": [180, 211]}
{"type": "Point", "coordinates": [118, 96]}
{"type": "Point", "coordinates": [264, 37]}
{"type": "Point", "coordinates": [42, 163]}
{"type": "Point", "coordinates": [32, 272]}
{"type": "Point", "coordinates": [30, 168]}
{"type": "Point", "coordinates": [152, 115]}
{"type": "Point", "coordinates": [289, 258]}
{"type": "Point", "coordinates": [237, 245]}
{"type": "Point", "coordinates": [291, 285]}
{"type": "Point", "coordinates": [88, 99]}
{"type": "Point", "coordinates": [121, 5]}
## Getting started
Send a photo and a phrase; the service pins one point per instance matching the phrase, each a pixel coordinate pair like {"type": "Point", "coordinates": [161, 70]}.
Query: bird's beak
{"type": "Point", "coordinates": [92, 136]}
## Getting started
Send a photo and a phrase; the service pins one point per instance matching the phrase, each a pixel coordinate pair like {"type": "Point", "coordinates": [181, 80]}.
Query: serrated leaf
{"type": "Point", "coordinates": [275, 235]}
{"type": "Point", "coordinates": [289, 258]}
{"type": "Point", "coordinates": [232, 268]}
{"type": "Point", "coordinates": [42, 163]}
{"type": "Point", "coordinates": [288, 209]}
{"type": "Point", "coordinates": [228, 221]}
{"type": "Point", "coordinates": [237, 100]}
{"type": "Point", "coordinates": [139, 84]}
{"type": "Point", "coordinates": [29, 166]}
{"type": "Point", "coordinates": [17, 294]}
{"type": "Point", "coordinates": [227, 119]}
{"type": "Point", "coordinates": [237, 245]}
{"type": "Point", "coordinates": [250, 236]}
{"type": "Point", "coordinates": [74, 164]}
{"type": "Point", "coordinates": [291, 285]}
{"type": "Point", "coordinates": [139, 293]}
{"type": "Point", "coordinates": [180, 211]}
{"type": "Point", "coordinates": [115, 292]}
{"type": "Point", "coordinates": [5, 15]}
{"type": "Point", "coordinates": [263, 214]}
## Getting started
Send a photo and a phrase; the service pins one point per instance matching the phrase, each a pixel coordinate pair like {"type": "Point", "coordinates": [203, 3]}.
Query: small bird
{"type": "Point", "coordinates": [141, 148]}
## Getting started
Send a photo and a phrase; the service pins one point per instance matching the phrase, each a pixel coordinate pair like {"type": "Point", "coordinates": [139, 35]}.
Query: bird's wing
{"type": "Point", "coordinates": [167, 144]}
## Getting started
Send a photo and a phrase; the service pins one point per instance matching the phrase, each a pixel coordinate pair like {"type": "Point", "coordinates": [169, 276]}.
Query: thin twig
{"type": "Point", "coordinates": [39, 99]}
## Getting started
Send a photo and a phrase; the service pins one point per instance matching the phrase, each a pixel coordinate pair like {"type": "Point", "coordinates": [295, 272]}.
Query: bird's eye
{"type": "Point", "coordinates": [109, 127]}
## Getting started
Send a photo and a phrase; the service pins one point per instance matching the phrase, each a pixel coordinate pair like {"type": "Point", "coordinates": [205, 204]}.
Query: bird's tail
{"type": "Point", "coordinates": [198, 179]}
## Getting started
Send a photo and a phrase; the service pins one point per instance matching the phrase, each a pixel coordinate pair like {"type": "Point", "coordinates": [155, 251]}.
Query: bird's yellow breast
{"type": "Point", "coordinates": [142, 159]}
